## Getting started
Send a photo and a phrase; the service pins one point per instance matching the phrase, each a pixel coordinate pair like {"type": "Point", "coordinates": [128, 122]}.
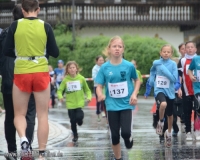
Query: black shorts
{"type": "Point", "coordinates": [170, 102]}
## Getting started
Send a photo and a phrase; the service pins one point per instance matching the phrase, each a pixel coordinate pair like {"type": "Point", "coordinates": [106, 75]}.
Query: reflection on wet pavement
{"type": "Point", "coordinates": [94, 139]}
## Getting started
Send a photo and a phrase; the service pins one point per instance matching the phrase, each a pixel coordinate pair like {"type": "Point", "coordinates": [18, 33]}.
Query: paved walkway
{"type": "Point", "coordinates": [57, 133]}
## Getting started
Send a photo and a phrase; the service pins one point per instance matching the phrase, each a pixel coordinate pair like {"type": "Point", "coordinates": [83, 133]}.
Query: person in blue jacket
{"type": "Point", "coordinates": [163, 75]}
{"type": "Point", "coordinates": [177, 85]}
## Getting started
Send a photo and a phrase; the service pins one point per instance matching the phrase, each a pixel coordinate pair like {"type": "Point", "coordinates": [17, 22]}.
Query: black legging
{"type": "Point", "coordinates": [76, 116]}
{"type": "Point", "coordinates": [9, 128]}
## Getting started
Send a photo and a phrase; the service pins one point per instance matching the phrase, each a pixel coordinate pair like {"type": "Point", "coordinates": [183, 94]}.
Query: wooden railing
{"type": "Point", "coordinates": [115, 14]}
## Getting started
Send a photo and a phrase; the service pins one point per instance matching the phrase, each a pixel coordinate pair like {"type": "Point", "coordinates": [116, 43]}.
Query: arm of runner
{"type": "Point", "coordinates": [51, 47]}
{"type": "Point", "coordinates": [172, 76]}
{"type": "Point", "coordinates": [87, 90]}
{"type": "Point", "coordinates": [100, 94]}
{"type": "Point", "coordinates": [152, 76]}
{"type": "Point", "coordinates": [9, 46]}
{"type": "Point", "coordinates": [60, 90]}
{"type": "Point", "coordinates": [133, 99]}
{"type": "Point", "coordinates": [192, 77]}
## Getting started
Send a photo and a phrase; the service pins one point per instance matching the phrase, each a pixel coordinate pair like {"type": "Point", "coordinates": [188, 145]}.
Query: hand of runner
{"type": "Point", "coordinates": [61, 100]}
{"type": "Point", "coordinates": [133, 99]}
{"type": "Point", "coordinates": [180, 93]}
{"type": "Point", "coordinates": [193, 78]}
{"type": "Point", "coordinates": [101, 98]}
{"type": "Point", "coordinates": [88, 100]}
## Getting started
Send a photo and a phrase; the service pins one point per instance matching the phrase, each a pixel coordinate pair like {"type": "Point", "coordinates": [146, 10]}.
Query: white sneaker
{"type": "Point", "coordinates": [168, 139]}
{"type": "Point", "coordinates": [103, 114]}
{"type": "Point", "coordinates": [59, 105]}
{"type": "Point", "coordinates": [189, 136]}
{"type": "Point", "coordinates": [197, 135]}
{"type": "Point", "coordinates": [159, 128]}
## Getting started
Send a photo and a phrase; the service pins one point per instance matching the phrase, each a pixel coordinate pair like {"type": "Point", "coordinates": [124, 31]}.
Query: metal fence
{"type": "Point", "coordinates": [133, 13]}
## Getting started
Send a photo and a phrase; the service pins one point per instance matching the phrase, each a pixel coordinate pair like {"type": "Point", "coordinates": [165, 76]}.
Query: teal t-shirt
{"type": "Point", "coordinates": [118, 82]}
{"type": "Point", "coordinates": [195, 65]}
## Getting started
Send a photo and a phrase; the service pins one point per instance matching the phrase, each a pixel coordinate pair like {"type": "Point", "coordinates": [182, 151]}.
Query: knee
{"type": "Point", "coordinates": [125, 134]}
{"type": "Point", "coordinates": [163, 105]}
{"type": "Point", "coordinates": [115, 139]}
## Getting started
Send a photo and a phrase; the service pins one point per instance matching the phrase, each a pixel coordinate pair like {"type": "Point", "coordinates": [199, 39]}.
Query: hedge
{"type": "Point", "coordinates": [142, 49]}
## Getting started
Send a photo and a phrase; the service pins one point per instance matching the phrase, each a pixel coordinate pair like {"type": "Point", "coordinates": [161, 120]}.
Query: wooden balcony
{"type": "Point", "coordinates": [108, 13]}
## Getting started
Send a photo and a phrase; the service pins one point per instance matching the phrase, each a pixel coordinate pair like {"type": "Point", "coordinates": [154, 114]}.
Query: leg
{"type": "Point", "coordinates": [98, 104]}
{"type": "Point", "coordinates": [161, 100]}
{"type": "Point", "coordinates": [175, 126]}
{"type": "Point", "coordinates": [53, 97]}
{"type": "Point", "coordinates": [114, 123]}
{"type": "Point", "coordinates": [162, 110]}
{"type": "Point", "coordinates": [169, 113]}
{"type": "Point", "coordinates": [20, 101]}
{"type": "Point", "coordinates": [72, 116]}
{"type": "Point", "coordinates": [30, 119]}
{"type": "Point", "coordinates": [126, 125]}
{"type": "Point", "coordinates": [9, 128]}
{"type": "Point", "coordinates": [79, 116]}
{"type": "Point", "coordinates": [187, 109]}
{"type": "Point", "coordinates": [42, 100]}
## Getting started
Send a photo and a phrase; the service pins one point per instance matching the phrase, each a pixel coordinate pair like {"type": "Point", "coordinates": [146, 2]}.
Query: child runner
{"type": "Point", "coordinates": [187, 92]}
{"type": "Point", "coordinates": [121, 97]}
{"type": "Point", "coordinates": [31, 39]}
{"type": "Point", "coordinates": [138, 72]}
{"type": "Point", "coordinates": [166, 74]}
{"type": "Point", "coordinates": [95, 70]}
{"type": "Point", "coordinates": [194, 73]}
{"type": "Point", "coordinates": [181, 49]}
{"type": "Point", "coordinates": [75, 86]}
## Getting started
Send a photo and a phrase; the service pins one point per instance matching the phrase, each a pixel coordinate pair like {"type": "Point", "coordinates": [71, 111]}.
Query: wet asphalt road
{"type": "Point", "coordinates": [94, 138]}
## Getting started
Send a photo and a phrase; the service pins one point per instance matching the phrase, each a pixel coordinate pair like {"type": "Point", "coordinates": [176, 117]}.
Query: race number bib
{"type": "Point", "coordinates": [162, 82]}
{"type": "Point", "coordinates": [59, 77]}
{"type": "Point", "coordinates": [118, 90]}
{"type": "Point", "coordinates": [73, 86]}
{"type": "Point", "coordinates": [198, 75]}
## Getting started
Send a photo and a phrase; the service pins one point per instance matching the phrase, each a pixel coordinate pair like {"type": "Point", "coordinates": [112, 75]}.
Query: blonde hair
{"type": "Point", "coordinates": [69, 63]}
{"type": "Point", "coordinates": [167, 45]}
{"type": "Point", "coordinates": [106, 50]}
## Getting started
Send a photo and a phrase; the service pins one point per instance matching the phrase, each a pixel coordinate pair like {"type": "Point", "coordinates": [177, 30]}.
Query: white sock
{"type": "Point", "coordinates": [22, 139]}
{"type": "Point", "coordinates": [169, 133]}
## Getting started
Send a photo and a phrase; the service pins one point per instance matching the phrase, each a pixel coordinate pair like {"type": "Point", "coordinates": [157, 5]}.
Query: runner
{"type": "Point", "coordinates": [165, 71]}
{"type": "Point", "coordinates": [75, 86]}
{"type": "Point", "coordinates": [121, 97]}
{"type": "Point", "coordinates": [31, 39]}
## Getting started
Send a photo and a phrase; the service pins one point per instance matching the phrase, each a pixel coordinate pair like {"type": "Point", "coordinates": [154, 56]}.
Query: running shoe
{"type": "Point", "coordinates": [159, 128]}
{"type": "Point", "coordinates": [98, 118]}
{"type": "Point", "coordinates": [75, 139]}
{"type": "Point", "coordinates": [197, 135]}
{"type": "Point", "coordinates": [103, 114]}
{"type": "Point", "coordinates": [168, 139]}
{"type": "Point", "coordinates": [25, 151]}
{"type": "Point", "coordinates": [189, 136]}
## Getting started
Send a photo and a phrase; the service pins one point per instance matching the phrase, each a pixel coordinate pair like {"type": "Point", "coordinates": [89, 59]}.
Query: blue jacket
{"type": "Point", "coordinates": [177, 85]}
{"type": "Point", "coordinates": [166, 68]}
